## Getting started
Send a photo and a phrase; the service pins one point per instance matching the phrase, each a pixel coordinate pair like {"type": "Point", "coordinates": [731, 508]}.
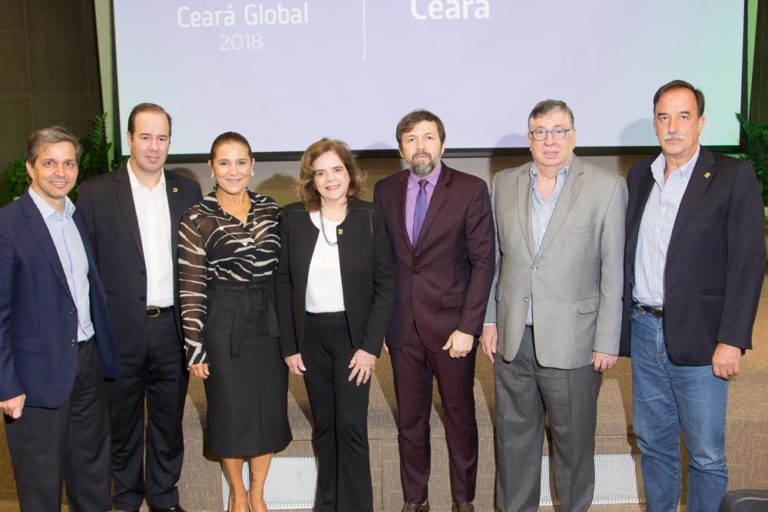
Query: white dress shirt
{"type": "Point", "coordinates": [155, 227]}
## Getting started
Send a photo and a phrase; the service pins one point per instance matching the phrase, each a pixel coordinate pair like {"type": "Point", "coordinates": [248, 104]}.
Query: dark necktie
{"type": "Point", "coordinates": [420, 212]}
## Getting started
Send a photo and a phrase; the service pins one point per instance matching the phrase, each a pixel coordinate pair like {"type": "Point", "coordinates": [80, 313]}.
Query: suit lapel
{"type": "Point", "coordinates": [86, 241]}
{"type": "Point", "coordinates": [439, 197]}
{"type": "Point", "coordinates": [635, 213]}
{"type": "Point", "coordinates": [37, 228]}
{"type": "Point", "coordinates": [125, 199]}
{"type": "Point", "coordinates": [175, 206]}
{"type": "Point", "coordinates": [400, 195]}
{"type": "Point", "coordinates": [568, 195]}
{"type": "Point", "coordinates": [524, 208]}
{"type": "Point", "coordinates": [304, 239]}
{"type": "Point", "coordinates": [702, 176]}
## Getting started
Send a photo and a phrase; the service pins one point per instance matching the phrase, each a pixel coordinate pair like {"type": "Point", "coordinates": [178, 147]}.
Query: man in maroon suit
{"type": "Point", "coordinates": [441, 229]}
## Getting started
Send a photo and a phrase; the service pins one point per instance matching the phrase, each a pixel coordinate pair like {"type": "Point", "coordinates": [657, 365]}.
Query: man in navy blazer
{"type": "Point", "coordinates": [56, 342]}
{"type": "Point", "coordinates": [132, 216]}
{"type": "Point", "coordinates": [694, 268]}
{"type": "Point", "coordinates": [444, 250]}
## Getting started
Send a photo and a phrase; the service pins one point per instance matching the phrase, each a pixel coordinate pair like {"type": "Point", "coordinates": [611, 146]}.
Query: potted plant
{"type": "Point", "coordinates": [756, 137]}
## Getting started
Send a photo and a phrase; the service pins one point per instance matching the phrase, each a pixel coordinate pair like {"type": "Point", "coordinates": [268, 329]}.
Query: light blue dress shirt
{"type": "Point", "coordinates": [656, 229]}
{"type": "Point", "coordinates": [74, 261]}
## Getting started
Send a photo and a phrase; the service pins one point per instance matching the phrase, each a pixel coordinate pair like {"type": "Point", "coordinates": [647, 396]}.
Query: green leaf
{"type": "Point", "coordinates": [756, 138]}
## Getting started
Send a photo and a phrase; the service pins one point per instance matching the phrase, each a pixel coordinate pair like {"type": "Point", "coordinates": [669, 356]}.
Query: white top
{"type": "Point", "coordinates": [155, 227]}
{"type": "Point", "coordinates": [324, 291]}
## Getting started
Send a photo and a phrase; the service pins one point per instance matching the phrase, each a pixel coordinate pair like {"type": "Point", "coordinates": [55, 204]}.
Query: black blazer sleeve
{"type": "Point", "coordinates": [381, 295]}
{"type": "Point", "coordinates": [284, 289]}
{"type": "Point", "coordinates": [745, 260]}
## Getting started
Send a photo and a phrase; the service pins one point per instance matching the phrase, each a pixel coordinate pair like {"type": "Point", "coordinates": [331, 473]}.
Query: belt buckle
{"type": "Point", "coordinates": [655, 311]}
{"type": "Point", "coordinates": [153, 312]}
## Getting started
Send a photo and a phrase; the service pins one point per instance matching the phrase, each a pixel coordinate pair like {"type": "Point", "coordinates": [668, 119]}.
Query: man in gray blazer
{"type": "Point", "coordinates": [554, 316]}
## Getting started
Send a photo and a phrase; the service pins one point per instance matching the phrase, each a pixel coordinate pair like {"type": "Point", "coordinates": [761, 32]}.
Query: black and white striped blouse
{"type": "Point", "coordinates": [215, 246]}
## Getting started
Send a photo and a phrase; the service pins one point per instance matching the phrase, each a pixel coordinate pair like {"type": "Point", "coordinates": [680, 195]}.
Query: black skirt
{"type": "Point", "coordinates": [247, 389]}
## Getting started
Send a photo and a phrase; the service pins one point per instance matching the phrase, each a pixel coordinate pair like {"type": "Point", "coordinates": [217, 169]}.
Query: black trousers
{"type": "Point", "coordinates": [340, 414]}
{"type": "Point", "coordinates": [154, 378]}
{"type": "Point", "coordinates": [68, 444]}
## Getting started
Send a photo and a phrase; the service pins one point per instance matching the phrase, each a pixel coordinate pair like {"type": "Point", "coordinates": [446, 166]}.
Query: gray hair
{"type": "Point", "coordinates": [545, 107]}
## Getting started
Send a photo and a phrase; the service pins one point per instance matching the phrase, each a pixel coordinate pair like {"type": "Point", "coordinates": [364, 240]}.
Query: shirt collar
{"type": "Point", "coordinates": [135, 182]}
{"type": "Point", "coordinates": [431, 179]}
{"type": "Point", "coordinates": [685, 170]}
{"type": "Point", "coordinates": [562, 172]}
{"type": "Point", "coordinates": [46, 210]}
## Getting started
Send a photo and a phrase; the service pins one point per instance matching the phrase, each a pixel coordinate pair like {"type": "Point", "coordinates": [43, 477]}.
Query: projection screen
{"type": "Point", "coordinates": [285, 73]}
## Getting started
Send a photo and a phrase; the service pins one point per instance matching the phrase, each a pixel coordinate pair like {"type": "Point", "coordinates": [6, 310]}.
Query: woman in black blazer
{"type": "Point", "coordinates": [335, 294]}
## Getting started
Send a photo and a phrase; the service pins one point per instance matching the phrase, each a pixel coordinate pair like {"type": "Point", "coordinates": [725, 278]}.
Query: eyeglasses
{"type": "Point", "coordinates": [557, 133]}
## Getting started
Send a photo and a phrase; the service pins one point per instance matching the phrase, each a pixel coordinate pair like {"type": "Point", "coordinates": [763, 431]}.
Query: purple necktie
{"type": "Point", "coordinates": [420, 212]}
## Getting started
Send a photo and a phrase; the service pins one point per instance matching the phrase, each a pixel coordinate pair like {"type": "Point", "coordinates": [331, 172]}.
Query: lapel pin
{"type": "Point", "coordinates": [175, 189]}
{"type": "Point", "coordinates": [707, 175]}
{"type": "Point", "coordinates": [340, 231]}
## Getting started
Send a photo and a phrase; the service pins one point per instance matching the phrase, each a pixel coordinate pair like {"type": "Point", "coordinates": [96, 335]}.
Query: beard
{"type": "Point", "coordinates": [423, 168]}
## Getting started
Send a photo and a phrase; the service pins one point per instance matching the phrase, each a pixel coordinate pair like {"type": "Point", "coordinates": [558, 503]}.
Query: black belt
{"type": "Point", "coordinates": [155, 311]}
{"type": "Point", "coordinates": [328, 314]}
{"type": "Point", "coordinates": [82, 343]}
{"type": "Point", "coordinates": [656, 311]}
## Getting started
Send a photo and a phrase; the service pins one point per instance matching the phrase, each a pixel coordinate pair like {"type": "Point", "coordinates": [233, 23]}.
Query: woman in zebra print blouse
{"type": "Point", "coordinates": [229, 245]}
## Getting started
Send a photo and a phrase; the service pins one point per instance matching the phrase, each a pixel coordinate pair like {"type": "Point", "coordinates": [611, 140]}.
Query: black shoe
{"type": "Point", "coordinates": [416, 507]}
{"type": "Point", "coordinates": [462, 507]}
{"type": "Point", "coordinates": [177, 508]}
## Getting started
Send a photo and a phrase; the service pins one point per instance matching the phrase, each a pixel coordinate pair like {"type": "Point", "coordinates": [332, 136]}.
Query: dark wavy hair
{"type": "Point", "coordinates": [47, 136]}
{"type": "Point", "coordinates": [227, 137]}
{"type": "Point", "coordinates": [305, 183]}
{"type": "Point", "coordinates": [680, 84]}
{"type": "Point", "coordinates": [147, 107]}
{"type": "Point", "coordinates": [411, 119]}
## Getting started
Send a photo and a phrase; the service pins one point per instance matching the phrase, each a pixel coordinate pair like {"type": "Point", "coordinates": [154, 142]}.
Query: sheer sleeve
{"type": "Point", "coordinates": [192, 286]}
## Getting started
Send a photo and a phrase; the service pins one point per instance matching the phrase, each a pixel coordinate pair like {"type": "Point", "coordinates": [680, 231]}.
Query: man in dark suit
{"type": "Point", "coordinates": [56, 341]}
{"type": "Point", "coordinates": [693, 271]}
{"type": "Point", "coordinates": [441, 229]}
{"type": "Point", "coordinates": [132, 217]}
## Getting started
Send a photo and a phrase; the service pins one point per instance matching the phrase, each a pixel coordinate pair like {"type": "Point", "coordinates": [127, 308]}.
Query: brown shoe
{"type": "Point", "coordinates": [416, 507]}
{"type": "Point", "coordinates": [462, 507]}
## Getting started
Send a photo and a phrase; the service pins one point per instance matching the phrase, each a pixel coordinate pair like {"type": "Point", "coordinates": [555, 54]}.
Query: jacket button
{"type": "Point", "coordinates": [72, 311]}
